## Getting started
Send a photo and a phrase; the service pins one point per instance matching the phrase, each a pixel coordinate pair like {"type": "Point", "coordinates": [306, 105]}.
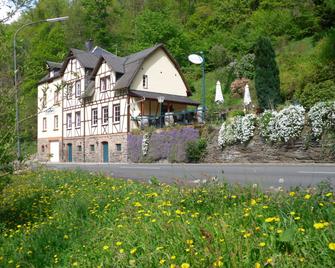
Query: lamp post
{"type": "Point", "coordinates": [197, 59]}
{"type": "Point", "coordinates": [16, 78]}
{"type": "Point", "coordinates": [160, 100]}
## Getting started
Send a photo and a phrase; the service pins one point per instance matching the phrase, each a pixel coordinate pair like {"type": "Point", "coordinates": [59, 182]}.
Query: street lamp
{"type": "Point", "coordinates": [200, 59]}
{"type": "Point", "coordinates": [160, 99]}
{"type": "Point", "coordinates": [16, 77]}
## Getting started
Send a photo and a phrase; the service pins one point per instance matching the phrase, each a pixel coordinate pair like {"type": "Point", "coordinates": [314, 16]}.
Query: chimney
{"type": "Point", "coordinates": [89, 45]}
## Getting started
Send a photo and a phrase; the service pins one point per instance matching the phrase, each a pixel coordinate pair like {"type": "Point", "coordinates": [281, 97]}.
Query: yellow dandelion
{"type": "Point", "coordinates": [292, 194]}
{"type": "Point", "coordinates": [331, 246]}
{"type": "Point", "coordinates": [269, 260]}
{"type": "Point", "coordinates": [329, 194]}
{"type": "Point", "coordinates": [279, 231]}
{"type": "Point", "coordinates": [262, 244]}
{"type": "Point", "coordinates": [159, 248]}
{"type": "Point", "coordinates": [133, 251]}
{"type": "Point", "coordinates": [66, 237]}
{"type": "Point", "coordinates": [319, 225]}
{"type": "Point", "coordinates": [121, 250]}
{"type": "Point", "coordinates": [118, 243]}
{"type": "Point", "coordinates": [105, 247]}
{"type": "Point", "coordinates": [185, 265]}
{"type": "Point", "coordinates": [218, 263]}
{"type": "Point", "coordinates": [173, 265]}
{"type": "Point", "coordinates": [162, 261]}
{"type": "Point", "coordinates": [302, 230]}
{"type": "Point", "coordinates": [257, 265]}
{"type": "Point", "coordinates": [307, 196]}
{"type": "Point", "coordinates": [75, 264]}
{"type": "Point", "coordinates": [253, 202]}
{"type": "Point", "coordinates": [189, 242]}
{"type": "Point", "coordinates": [173, 257]}
{"type": "Point", "coordinates": [292, 213]}
{"type": "Point", "coordinates": [137, 204]}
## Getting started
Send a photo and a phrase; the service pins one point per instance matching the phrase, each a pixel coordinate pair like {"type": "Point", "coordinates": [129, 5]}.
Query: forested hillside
{"type": "Point", "coordinates": [302, 33]}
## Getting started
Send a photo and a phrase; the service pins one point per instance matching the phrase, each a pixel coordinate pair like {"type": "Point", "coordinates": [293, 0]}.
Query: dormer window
{"type": "Point", "coordinates": [105, 83]}
{"type": "Point", "coordinates": [145, 81]}
{"type": "Point", "coordinates": [52, 73]}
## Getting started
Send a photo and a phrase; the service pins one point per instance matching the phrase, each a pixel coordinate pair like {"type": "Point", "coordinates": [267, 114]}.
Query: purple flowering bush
{"type": "Point", "coordinates": [169, 144]}
{"type": "Point", "coordinates": [134, 147]}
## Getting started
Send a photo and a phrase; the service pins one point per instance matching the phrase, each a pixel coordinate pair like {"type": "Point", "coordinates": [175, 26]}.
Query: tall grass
{"type": "Point", "coordinates": [76, 219]}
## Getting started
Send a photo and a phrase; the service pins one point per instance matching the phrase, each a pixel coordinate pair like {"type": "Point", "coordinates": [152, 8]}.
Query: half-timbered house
{"type": "Point", "coordinates": [105, 97]}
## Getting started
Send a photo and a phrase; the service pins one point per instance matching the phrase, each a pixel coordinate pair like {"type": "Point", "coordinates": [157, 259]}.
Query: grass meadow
{"type": "Point", "coordinates": [77, 219]}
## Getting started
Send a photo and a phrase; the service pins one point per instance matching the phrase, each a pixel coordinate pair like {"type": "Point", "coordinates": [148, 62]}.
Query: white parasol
{"type": "Point", "coordinates": [247, 98]}
{"type": "Point", "coordinates": [218, 93]}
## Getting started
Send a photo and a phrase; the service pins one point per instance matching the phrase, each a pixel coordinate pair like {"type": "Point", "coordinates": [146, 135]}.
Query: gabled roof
{"type": "Point", "coordinates": [54, 65]}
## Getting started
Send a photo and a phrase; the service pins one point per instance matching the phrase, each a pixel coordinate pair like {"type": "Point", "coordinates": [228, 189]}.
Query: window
{"type": "Point", "coordinates": [69, 121]}
{"type": "Point", "coordinates": [116, 113]}
{"type": "Point", "coordinates": [79, 148]}
{"type": "Point", "coordinates": [69, 91]}
{"type": "Point", "coordinates": [78, 90]}
{"type": "Point", "coordinates": [55, 122]}
{"type": "Point", "coordinates": [92, 148]}
{"type": "Point", "coordinates": [43, 149]}
{"type": "Point", "coordinates": [94, 118]}
{"type": "Point", "coordinates": [118, 76]}
{"type": "Point", "coordinates": [145, 81]}
{"type": "Point", "coordinates": [44, 124]}
{"type": "Point", "coordinates": [77, 119]}
{"type": "Point", "coordinates": [104, 113]}
{"type": "Point", "coordinates": [118, 147]}
{"type": "Point", "coordinates": [44, 100]}
{"type": "Point", "coordinates": [105, 83]}
{"type": "Point", "coordinates": [56, 97]}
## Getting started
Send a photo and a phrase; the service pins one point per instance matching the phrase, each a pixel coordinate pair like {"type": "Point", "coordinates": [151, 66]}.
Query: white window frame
{"type": "Point", "coordinates": [69, 89]}
{"type": "Point", "coordinates": [116, 114]}
{"type": "Point", "coordinates": [105, 83]}
{"type": "Point", "coordinates": [104, 115]}
{"type": "Point", "coordinates": [77, 118]}
{"type": "Point", "coordinates": [44, 100]}
{"type": "Point", "coordinates": [56, 122]}
{"type": "Point", "coordinates": [44, 124]}
{"type": "Point", "coordinates": [94, 117]}
{"type": "Point", "coordinates": [69, 120]}
{"type": "Point", "coordinates": [78, 88]}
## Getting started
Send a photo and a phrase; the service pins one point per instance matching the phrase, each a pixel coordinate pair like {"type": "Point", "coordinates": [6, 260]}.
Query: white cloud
{"type": "Point", "coordinates": [5, 9]}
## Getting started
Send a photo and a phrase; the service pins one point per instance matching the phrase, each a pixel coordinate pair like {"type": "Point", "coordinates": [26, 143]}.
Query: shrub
{"type": "Point", "coordinates": [195, 150]}
{"type": "Point", "coordinates": [240, 130]}
{"type": "Point", "coordinates": [321, 116]}
{"type": "Point", "coordinates": [264, 121]}
{"type": "Point", "coordinates": [286, 124]}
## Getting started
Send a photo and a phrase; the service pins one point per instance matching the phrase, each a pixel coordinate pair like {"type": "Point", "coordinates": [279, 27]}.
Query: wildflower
{"type": "Point", "coordinates": [292, 213]}
{"type": "Point", "coordinates": [269, 260]}
{"type": "Point", "coordinates": [319, 225]}
{"type": "Point", "coordinates": [279, 231]}
{"type": "Point", "coordinates": [292, 194]}
{"type": "Point", "coordinates": [185, 265]}
{"type": "Point", "coordinates": [172, 265]}
{"type": "Point", "coordinates": [121, 250]}
{"type": "Point", "coordinates": [261, 244]}
{"type": "Point", "coordinates": [307, 196]}
{"type": "Point", "coordinates": [329, 194]}
{"type": "Point", "coordinates": [331, 246]}
{"type": "Point", "coordinates": [257, 265]}
{"type": "Point", "coordinates": [133, 251]}
{"type": "Point", "coordinates": [159, 248]}
{"type": "Point", "coordinates": [173, 257]}
{"type": "Point", "coordinates": [265, 207]}
{"type": "Point", "coordinates": [137, 204]}
{"type": "Point", "coordinates": [162, 261]}
{"type": "Point", "coordinates": [66, 237]}
{"type": "Point", "coordinates": [218, 263]}
{"type": "Point", "coordinates": [75, 264]}
{"type": "Point", "coordinates": [246, 235]}
{"type": "Point", "coordinates": [297, 218]}
{"type": "Point", "coordinates": [301, 230]}
{"type": "Point", "coordinates": [253, 202]}
{"type": "Point", "coordinates": [189, 242]}
{"type": "Point", "coordinates": [118, 243]}
{"type": "Point", "coordinates": [105, 247]}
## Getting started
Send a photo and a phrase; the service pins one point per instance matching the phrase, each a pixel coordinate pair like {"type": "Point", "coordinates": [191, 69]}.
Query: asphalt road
{"type": "Point", "coordinates": [266, 175]}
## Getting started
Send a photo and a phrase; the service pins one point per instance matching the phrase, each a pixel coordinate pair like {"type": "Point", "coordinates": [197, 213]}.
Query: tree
{"type": "Point", "coordinates": [266, 75]}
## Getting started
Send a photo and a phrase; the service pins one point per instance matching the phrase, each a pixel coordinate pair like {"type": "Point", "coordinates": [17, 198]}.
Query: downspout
{"type": "Point", "coordinates": [84, 141]}
{"type": "Point", "coordinates": [63, 124]}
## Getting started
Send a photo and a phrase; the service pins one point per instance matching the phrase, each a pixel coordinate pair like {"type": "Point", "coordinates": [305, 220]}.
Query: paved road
{"type": "Point", "coordinates": [266, 175]}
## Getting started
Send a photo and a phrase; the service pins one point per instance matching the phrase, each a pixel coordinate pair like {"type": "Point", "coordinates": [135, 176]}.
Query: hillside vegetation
{"type": "Point", "coordinates": [76, 219]}
{"type": "Point", "coordinates": [302, 34]}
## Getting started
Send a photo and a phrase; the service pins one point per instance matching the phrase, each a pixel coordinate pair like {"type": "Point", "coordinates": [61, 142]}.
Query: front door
{"type": "Point", "coordinates": [69, 152]}
{"type": "Point", "coordinates": [105, 151]}
{"type": "Point", "coordinates": [54, 151]}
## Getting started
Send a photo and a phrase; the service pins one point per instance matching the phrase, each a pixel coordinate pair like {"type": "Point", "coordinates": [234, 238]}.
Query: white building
{"type": "Point", "coordinates": [90, 103]}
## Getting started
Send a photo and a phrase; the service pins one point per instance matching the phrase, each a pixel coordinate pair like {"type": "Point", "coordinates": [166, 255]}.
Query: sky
{"type": "Point", "coordinates": [4, 9]}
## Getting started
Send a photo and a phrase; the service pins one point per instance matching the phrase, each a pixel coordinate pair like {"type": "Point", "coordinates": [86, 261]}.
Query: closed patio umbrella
{"type": "Point", "coordinates": [218, 93]}
{"type": "Point", "coordinates": [247, 98]}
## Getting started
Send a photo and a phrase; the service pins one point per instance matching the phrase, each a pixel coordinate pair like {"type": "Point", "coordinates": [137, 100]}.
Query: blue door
{"type": "Point", "coordinates": [69, 152]}
{"type": "Point", "coordinates": [105, 151]}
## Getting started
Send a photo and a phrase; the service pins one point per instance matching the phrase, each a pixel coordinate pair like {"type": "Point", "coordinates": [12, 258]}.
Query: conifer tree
{"type": "Point", "coordinates": [266, 75]}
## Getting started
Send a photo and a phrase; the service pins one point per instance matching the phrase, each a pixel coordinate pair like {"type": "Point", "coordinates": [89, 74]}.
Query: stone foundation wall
{"type": "Point", "coordinates": [43, 148]}
{"type": "Point", "coordinates": [92, 148]}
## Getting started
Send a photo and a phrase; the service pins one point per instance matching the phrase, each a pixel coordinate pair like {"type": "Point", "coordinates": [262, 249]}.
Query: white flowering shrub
{"type": "Point", "coordinates": [321, 116]}
{"type": "Point", "coordinates": [145, 143]}
{"type": "Point", "coordinates": [263, 122]}
{"type": "Point", "coordinates": [240, 130]}
{"type": "Point", "coordinates": [286, 124]}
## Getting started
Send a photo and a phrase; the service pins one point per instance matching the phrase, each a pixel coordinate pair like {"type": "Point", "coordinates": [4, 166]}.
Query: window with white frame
{"type": "Point", "coordinates": [55, 122]}
{"type": "Point", "coordinates": [44, 124]}
{"type": "Point", "coordinates": [77, 119]}
{"type": "Point", "coordinates": [78, 89]}
{"type": "Point", "coordinates": [116, 113]}
{"type": "Point", "coordinates": [69, 121]}
{"type": "Point", "coordinates": [94, 119]}
{"type": "Point", "coordinates": [105, 83]}
{"type": "Point", "coordinates": [44, 100]}
{"type": "Point", "coordinates": [56, 97]}
{"type": "Point", "coordinates": [104, 113]}
{"type": "Point", "coordinates": [69, 91]}
{"type": "Point", "coordinates": [145, 81]}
